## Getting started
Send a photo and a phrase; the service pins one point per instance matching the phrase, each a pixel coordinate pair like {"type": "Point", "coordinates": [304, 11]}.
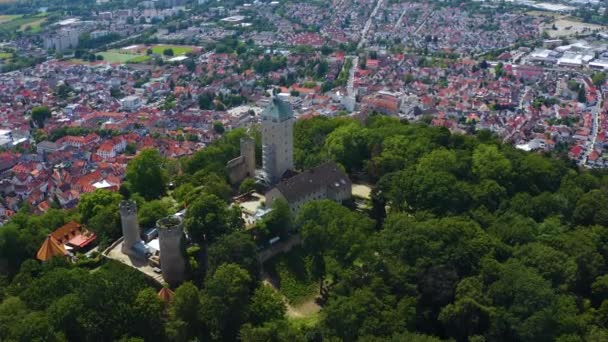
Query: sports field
{"type": "Point", "coordinates": [139, 59]}
{"type": "Point", "coordinates": [116, 57]}
{"type": "Point", "coordinates": [138, 53]}
{"type": "Point", "coordinates": [177, 49]}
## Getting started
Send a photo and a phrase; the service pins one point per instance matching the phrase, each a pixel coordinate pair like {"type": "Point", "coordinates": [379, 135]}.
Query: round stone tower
{"type": "Point", "coordinates": [172, 261]}
{"type": "Point", "coordinates": [248, 154]}
{"type": "Point", "coordinates": [130, 225]}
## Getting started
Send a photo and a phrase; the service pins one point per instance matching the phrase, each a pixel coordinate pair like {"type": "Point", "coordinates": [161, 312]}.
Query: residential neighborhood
{"type": "Point", "coordinates": [175, 78]}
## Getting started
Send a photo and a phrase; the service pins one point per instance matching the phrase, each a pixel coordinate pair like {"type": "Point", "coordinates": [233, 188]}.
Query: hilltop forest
{"type": "Point", "coordinates": [464, 239]}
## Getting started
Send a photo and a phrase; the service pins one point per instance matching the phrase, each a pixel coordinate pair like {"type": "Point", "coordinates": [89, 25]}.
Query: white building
{"type": "Point", "coordinates": [99, 34]}
{"type": "Point", "coordinates": [571, 59]}
{"type": "Point", "coordinates": [130, 103]}
{"type": "Point", "coordinates": [546, 56]}
{"type": "Point", "coordinates": [277, 139]}
{"type": "Point", "coordinates": [64, 39]}
{"type": "Point", "coordinates": [6, 138]}
{"type": "Point", "coordinates": [599, 64]}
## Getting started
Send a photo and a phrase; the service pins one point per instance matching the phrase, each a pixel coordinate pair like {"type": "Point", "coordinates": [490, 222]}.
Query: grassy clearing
{"type": "Point", "coordinates": [21, 23]}
{"type": "Point", "coordinates": [6, 18]}
{"type": "Point", "coordinates": [177, 49]}
{"type": "Point", "coordinates": [34, 26]}
{"type": "Point", "coordinates": [6, 55]}
{"type": "Point", "coordinates": [294, 279]}
{"type": "Point", "coordinates": [308, 321]}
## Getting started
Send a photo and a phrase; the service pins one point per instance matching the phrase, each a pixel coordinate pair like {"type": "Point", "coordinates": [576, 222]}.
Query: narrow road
{"type": "Point", "coordinates": [595, 128]}
{"type": "Point", "coordinates": [423, 22]}
{"type": "Point", "coordinates": [526, 114]}
{"type": "Point", "coordinates": [350, 88]}
{"type": "Point", "coordinates": [350, 85]}
{"type": "Point", "coordinates": [368, 24]}
{"type": "Point", "coordinates": [398, 23]}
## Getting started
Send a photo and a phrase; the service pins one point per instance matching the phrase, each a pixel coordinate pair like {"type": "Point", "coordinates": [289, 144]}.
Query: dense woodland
{"type": "Point", "coordinates": [465, 239]}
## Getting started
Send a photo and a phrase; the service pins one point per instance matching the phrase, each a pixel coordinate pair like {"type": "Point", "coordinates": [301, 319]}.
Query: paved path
{"type": "Point", "coordinates": [423, 22]}
{"type": "Point", "coordinates": [595, 128]}
{"type": "Point", "coordinates": [350, 85]}
{"type": "Point", "coordinates": [368, 24]}
{"type": "Point", "coordinates": [398, 23]}
{"type": "Point", "coordinates": [350, 89]}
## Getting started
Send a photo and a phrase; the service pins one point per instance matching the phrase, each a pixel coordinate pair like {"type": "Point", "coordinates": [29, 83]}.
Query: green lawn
{"type": "Point", "coordinates": [115, 57]}
{"type": "Point", "coordinates": [32, 26]}
{"type": "Point", "coordinates": [5, 55]}
{"type": "Point", "coordinates": [6, 18]}
{"type": "Point", "coordinates": [177, 49]}
{"type": "Point", "coordinates": [139, 59]}
{"type": "Point", "coordinates": [292, 270]}
{"type": "Point", "coordinates": [308, 321]}
{"type": "Point", "coordinates": [21, 23]}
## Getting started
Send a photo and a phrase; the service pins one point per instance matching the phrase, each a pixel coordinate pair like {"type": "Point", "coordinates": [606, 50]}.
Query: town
{"type": "Point", "coordinates": [271, 170]}
{"type": "Point", "coordinates": [70, 124]}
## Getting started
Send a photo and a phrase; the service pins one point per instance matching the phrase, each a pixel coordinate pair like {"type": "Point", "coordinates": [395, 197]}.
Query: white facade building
{"type": "Point", "coordinates": [130, 103]}
{"type": "Point", "coordinates": [64, 39]}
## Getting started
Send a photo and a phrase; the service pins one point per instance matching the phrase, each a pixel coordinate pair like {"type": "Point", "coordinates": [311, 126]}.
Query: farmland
{"type": "Point", "coordinates": [11, 23]}
{"type": "Point", "coordinates": [7, 18]}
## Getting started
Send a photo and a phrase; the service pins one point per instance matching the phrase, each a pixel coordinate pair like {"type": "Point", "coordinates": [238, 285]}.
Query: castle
{"type": "Point", "coordinates": [277, 140]}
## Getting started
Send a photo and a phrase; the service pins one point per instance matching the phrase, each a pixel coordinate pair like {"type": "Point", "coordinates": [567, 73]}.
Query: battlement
{"type": "Point", "coordinates": [127, 207]}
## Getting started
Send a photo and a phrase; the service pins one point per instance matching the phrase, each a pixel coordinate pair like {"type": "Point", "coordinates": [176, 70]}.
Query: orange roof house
{"type": "Point", "coordinates": [74, 235]}
{"type": "Point", "coordinates": [50, 248]}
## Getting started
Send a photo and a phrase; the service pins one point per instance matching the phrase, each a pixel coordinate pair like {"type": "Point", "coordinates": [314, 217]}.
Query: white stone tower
{"type": "Point", "coordinates": [130, 225]}
{"type": "Point", "coordinates": [172, 260]}
{"type": "Point", "coordinates": [277, 139]}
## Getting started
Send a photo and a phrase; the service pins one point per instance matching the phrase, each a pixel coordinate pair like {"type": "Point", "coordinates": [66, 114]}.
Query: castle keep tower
{"type": "Point", "coordinates": [277, 139]}
{"type": "Point", "coordinates": [130, 225]}
{"type": "Point", "coordinates": [172, 261]}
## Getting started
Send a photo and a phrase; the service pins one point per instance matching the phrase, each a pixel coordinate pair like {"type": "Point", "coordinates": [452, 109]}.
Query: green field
{"type": "Point", "coordinates": [22, 23]}
{"type": "Point", "coordinates": [177, 49]}
{"type": "Point", "coordinates": [139, 59]}
{"type": "Point", "coordinates": [139, 56]}
{"type": "Point", "coordinates": [115, 57]}
{"type": "Point", "coordinates": [32, 26]}
{"type": "Point", "coordinates": [7, 18]}
{"type": "Point", "coordinates": [5, 55]}
{"type": "Point", "coordinates": [305, 322]}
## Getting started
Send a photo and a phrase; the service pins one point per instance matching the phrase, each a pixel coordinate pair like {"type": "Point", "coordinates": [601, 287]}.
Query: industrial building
{"type": "Point", "coordinates": [63, 39]}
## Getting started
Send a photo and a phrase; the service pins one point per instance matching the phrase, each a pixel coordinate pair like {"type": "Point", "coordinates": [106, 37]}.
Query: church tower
{"type": "Point", "coordinates": [277, 139]}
